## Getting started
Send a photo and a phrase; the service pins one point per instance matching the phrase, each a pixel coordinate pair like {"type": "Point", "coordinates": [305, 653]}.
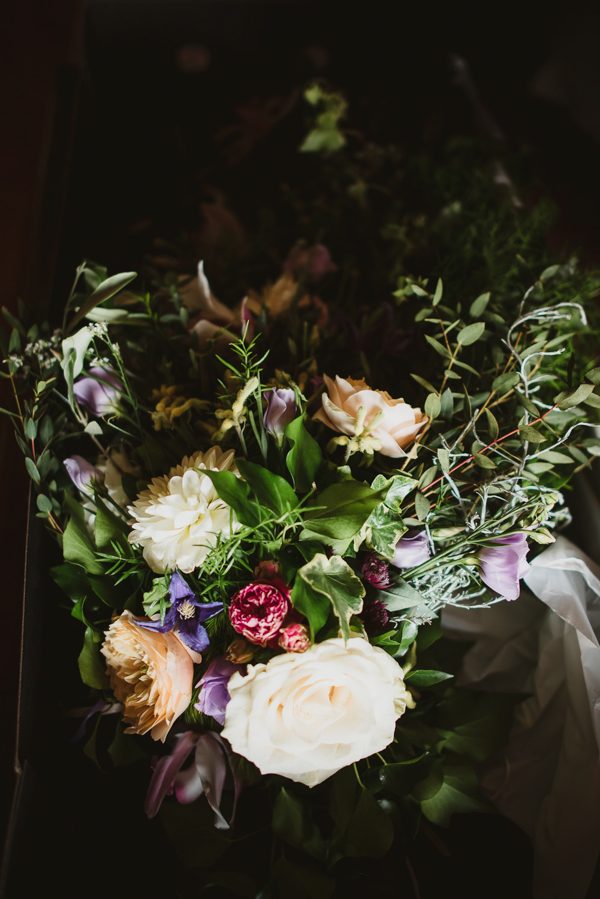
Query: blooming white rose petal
{"type": "Point", "coordinates": [307, 715]}
{"type": "Point", "coordinates": [179, 517]}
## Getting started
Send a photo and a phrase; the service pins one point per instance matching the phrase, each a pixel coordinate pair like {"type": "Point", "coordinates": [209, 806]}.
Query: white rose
{"type": "Point", "coordinates": [307, 715]}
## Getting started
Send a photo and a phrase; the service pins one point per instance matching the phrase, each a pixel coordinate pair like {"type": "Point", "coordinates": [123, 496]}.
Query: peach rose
{"type": "Point", "coordinates": [370, 419]}
{"type": "Point", "coordinates": [151, 675]}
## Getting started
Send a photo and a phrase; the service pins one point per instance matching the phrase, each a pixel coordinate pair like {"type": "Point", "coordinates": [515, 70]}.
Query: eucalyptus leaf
{"type": "Point", "coordinates": [471, 333]}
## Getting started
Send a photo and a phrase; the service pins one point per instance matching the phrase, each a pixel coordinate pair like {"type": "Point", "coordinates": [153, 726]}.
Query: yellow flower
{"type": "Point", "coordinates": [170, 406]}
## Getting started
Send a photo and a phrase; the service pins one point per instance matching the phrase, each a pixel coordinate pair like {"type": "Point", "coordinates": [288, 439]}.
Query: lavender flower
{"type": "Point", "coordinates": [375, 571]}
{"type": "Point", "coordinates": [186, 615]}
{"type": "Point", "coordinates": [214, 695]}
{"type": "Point", "coordinates": [98, 391]}
{"type": "Point", "coordinates": [281, 409]}
{"type": "Point", "coordinates": [82, 473]}
{"type": "Point", "coordinates": [503, 564]}
{"type": "Point", "coordinates": [411, 551]}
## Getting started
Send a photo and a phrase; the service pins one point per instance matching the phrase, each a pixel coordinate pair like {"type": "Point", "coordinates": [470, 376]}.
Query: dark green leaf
{"type": "Point", "coordinates": [304, 459]}
{"type": "Point", "coordinates": [425, 677]}
{"type": "Point", "coordinates": [292, 822]}
{"type": "Point", "coordinates": [270, 489]}
{"type": "Point", "coordinates": [314, 606]}
{"type": "Point", "coordinates": [236, 493]}
{"type": "Point", "coordinates": [78, 546]}
{"type": "Point", "coordinates": [90, 661]}
{"type": "Point", "coordinates": [345, 508]}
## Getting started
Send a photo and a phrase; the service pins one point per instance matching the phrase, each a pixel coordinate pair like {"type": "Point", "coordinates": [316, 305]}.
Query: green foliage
{"type": "Point", "coordinates": [333, 579]}
{"type": "Point", "coordinates": [91, 665]}
{"type": "Point", "coordinates": [304, 458]}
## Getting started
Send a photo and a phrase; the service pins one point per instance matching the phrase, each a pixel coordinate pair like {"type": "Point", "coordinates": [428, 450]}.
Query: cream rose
{"type": "Point", "coordinates": [179, 517]}
{"type": "Point", "coordinates": [151, 675]}
{"type": "Point", "coordinates": [306, 715]}
{"type": "Point", "coordinates": [370, 419]}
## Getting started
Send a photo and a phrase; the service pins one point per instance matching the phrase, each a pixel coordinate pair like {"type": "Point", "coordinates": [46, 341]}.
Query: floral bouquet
{"type": "Point", "coordinates": [260, 545]}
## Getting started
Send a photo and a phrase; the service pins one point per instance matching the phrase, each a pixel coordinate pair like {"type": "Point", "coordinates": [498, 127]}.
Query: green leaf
{"type": "Point", "coordinates": [447, 404]}
{"type": "Point", "coordinates": [103, 292]}
{"type": "Point", "coordinates": [156, 599]}
{"type": "Point", "coordinates": [304, 459]}
{"type": "Point", "coordinates": [506, 382]}
{"type": "Point", "coordinates": [555, 458]}
{"type": "Point", "coordinates": [30, 429]}
{"type": "Point", "coordinates": [426, 677]}
{"type": "Point", "coordinates": [593, 375]}
{"type": "Point", "coordinates": [399, 595]}
{"type": "Point", "coordinates": [44, 503]}
{"type": "Point", "coordinates": [444, 459]}
{"type": "Point", "coordinates": [528, 433]}
{"type": "Point", "coordinates": [478, 306]}
{"type": "Point", "coordinates": [422, 506]}
{"type": "Point", "coordinates": [91, 664]}
{"type": "Point", "coordinates": [292, 822]}
{"type": "Point", "coordinates": [313, 605]}
{"type": "Point", "coordinates": [362, 828]}
{"type": "Point", "coordinates": [270, 489]}
{"type": "Point", "coordinates": [344, 509]}
{"type": "Point", "coordinates": [483, 461]}
{"type": "Point", "coordinates": [437, 346]}
{"type": "Point", "coordinates": [334, 579]}
{"type": "Point", "coordinates": [236, 494]}
{"type": "Point", "coordinates": [32, 470]}
{"type": "Point", "coordinates": [573, 399]}
{"type": "Point", "coordinates": [471, 333]}
{"type": "Point", "coordinates": [74, 349]}
{"type": "Point", "coordinates": [443, 796]}
{"type": "Point", "coordinates": [78, 547]}
{"type": "Point", "coordinates": [492, 424]}
{"type": "Point", "coordinates": [107, 527]}
{"type": "Point", "coordinates": [439, 290]}
{"type": "Point", "coordinates": [433, 406]}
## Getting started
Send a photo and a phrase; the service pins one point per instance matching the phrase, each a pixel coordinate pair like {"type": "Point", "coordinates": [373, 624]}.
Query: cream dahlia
{"type": "Point", "coordinates": [179, 517]}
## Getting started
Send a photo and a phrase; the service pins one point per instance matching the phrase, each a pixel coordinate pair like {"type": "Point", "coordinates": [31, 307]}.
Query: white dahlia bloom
{"type": "Point", "coordinates": [179, 517]}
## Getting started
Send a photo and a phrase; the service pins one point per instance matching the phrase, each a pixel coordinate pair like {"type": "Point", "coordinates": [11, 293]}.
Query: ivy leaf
{"type": "Point", "coordinates": [304, 459]}
{"type": "Point", "coordinates": [270, 489]}
{"type": "Point", "coordinates": [334, 579]}
{"type": "Point", "coordinates": [443, 795]}
{"type": "Point", "coordinates": [384, 526]}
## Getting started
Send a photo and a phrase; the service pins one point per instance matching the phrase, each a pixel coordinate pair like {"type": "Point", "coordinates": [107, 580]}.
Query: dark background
{"type": "Point", "coordinates": [105, 111]}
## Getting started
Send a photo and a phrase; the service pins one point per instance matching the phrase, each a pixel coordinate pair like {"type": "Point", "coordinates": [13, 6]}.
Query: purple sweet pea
{"type": "Point", "coordinates": [82, 473]}
{"type": "Point", "coordinates": [281, 409]}
{"type": "Point", "coordinates": [504, 563]}
{"type": "Point", "coordinates": [98, 391]}
{"type": "Point", "coordinates": [186, 615]}
{"type": "Point", "coordinates": [214, 695]}
{"type": "Point", "coordinates": [411, 551]}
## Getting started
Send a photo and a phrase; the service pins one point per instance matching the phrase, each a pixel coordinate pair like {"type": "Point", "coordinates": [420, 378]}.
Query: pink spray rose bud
{"type": "Point", "coordinates": [257, 611]}
{"type": "Point", "coordinates": [376, 572]}
{"type": "Point", "coordinates": [294, 638]}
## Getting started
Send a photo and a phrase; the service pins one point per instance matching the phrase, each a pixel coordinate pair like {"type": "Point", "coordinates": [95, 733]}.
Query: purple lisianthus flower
{"type": "Point", "coordinates": [214, 695]}
{"type": "Point", "coordinates": [281, 410]}
{"type": "Point", "coordinates": [411, 551]}
{"type": "Point", "coordinates": [375, 571]}
{"type": "Point", "coordinates": [82, 473]}
{"type": "Point", "coordinates": [504, 563]}
{"type": "Point", "coordinates": [186, 615]}
{"type": "Point", "coordinates": [98, 391]}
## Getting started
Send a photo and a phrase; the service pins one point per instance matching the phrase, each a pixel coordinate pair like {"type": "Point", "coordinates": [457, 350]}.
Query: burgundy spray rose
{"type": "Point", "coordinates": [294, 638]}
{"type": "Point", "coordinates": [257, 611]}
{"type": "Point", "coordinates": [375, 571]}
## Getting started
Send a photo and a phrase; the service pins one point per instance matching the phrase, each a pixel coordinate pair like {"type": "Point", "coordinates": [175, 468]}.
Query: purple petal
{"type": "Point", "coordinates": [208, 777]}
{"type": "Point", "coordinates": [208, 610]}
{"type": "Point", "coordinates": [179, 589]}
{"type": "Point", "coordinates": [503, 564]}
{"type": "Point", "coordinates": [411, 551]}
{"type": "Point", "coordinates": [193, 634]}
{"type": "Point", "coordinates": [281, 409]}
{"type": "Point", "coordinates": [168, 623]}
{"type": "Point", "coordinates": [165, 771]}
{"type": "Point", "coordinates": [214, 695]}
{"type": "Point", "coordinates": [98, 391]}
{"type": "Point", "coordinates": [82, 473]}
